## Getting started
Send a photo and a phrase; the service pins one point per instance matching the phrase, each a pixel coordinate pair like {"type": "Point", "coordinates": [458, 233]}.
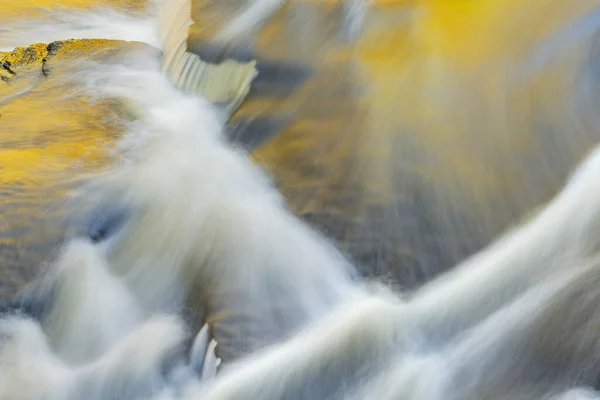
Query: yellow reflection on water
{"type": "Point", "coordinates": [48, 135]}
{"type": "Point", "coordinates": [436, 130]}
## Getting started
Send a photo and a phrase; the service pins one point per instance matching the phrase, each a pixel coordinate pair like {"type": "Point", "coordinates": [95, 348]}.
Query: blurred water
{"type": "Point", "coordinates": [413, 145]}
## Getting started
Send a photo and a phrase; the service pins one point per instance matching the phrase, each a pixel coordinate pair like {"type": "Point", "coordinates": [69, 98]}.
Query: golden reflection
{"type": "Point", "coordinates": [413, 146]}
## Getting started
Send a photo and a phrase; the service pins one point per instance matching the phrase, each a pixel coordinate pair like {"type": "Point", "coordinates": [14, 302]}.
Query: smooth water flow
{"type": "Point", "coordinates": [184, 274]}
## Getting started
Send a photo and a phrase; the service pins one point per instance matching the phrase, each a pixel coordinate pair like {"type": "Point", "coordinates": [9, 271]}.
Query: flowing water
{"type": "Point", "coordinates": [411, 148]}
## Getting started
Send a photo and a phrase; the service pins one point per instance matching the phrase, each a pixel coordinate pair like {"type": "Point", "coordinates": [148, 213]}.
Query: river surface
{"type": "Point", "coordinates": [413, 145]}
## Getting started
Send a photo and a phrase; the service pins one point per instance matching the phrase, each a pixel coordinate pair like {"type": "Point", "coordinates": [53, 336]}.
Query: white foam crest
{"type": "Point", "coordinates": [206, 220]}
{"type": "Point", "coordinates": [98, 23]}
